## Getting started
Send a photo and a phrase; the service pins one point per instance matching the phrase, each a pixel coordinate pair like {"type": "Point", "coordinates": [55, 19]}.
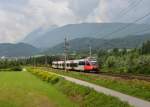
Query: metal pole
{"type": "Point", "coordinates": [65, 52]}
{"type": "Point", "coordinates": [90, 51]}
{"type": "Point", "coordinates": [46, 60]}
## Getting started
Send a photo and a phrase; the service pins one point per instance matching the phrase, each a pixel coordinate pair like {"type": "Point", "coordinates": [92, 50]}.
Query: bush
{"type": "Point", "coordinates": [110, 62]}
{"type": "Point", "coordinates": [45, 76]}
{"type": "Point", "coordinates": [16, 68]}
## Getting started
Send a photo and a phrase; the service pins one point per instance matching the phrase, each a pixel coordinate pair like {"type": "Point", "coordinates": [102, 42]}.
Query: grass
{"type": "Point", "coordinates": [137, 88]}
{"type": "Point", "coordinates": [84, 96]}
{"type": "Point", "coordinates": [87, 97]}
{"type": "Point", "coordinates": [22, 89]}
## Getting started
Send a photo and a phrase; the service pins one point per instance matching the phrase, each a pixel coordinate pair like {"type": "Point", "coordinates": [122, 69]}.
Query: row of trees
{"type": "Point", "coordinates": [124, 60]}
{"type": "Point", "coordinates": [134, 61]}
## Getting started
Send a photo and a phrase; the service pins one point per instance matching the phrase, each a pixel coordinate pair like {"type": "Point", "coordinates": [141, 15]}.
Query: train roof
{"type": "Point", "coordinates": [77, 60]}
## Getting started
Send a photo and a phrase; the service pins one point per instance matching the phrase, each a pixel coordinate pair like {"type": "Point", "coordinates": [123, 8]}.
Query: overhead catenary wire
{"type": "Point", "coordinates": [125, 11]}
{"type": "Point", "coordinates": [128, 25]}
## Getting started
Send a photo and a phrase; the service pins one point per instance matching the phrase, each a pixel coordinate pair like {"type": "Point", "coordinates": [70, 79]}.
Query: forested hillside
{"type": "Point", "coordinates": [16, 50]}
{"type": "Point", "coordinates": [82, 44]}
{"type": "Point", "coordinates": [50, 38]}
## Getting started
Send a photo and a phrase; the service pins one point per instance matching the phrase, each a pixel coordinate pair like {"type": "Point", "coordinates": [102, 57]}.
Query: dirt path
{"type": "Point", "coordinates": [136, 102]}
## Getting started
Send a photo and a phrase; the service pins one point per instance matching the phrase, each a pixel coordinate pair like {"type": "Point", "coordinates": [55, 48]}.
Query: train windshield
{"type": "Point", "coordinates": [94, 63]}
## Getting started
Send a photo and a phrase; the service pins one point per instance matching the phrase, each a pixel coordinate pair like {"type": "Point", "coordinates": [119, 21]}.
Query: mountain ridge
{"type": "Point", "coordinates": [97, 30]}
{"type": "Point", "coordinates": [17, 50]}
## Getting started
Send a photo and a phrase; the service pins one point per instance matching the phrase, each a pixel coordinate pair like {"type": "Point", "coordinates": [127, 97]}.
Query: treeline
{"type": "Point", "coordinates": [16, 63]}
{"type": "Point", "coordinates": [136, 61]}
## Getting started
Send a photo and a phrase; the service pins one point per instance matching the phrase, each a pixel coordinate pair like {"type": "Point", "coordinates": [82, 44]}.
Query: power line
{"type": "Point", "coordinates": [128, 25]}
{"type": "Point", "coordinates": [130, 5]}
{"type": "Point", "coordinates": [133, 6]}
{"type": "Point", "coordinates": [125, 11]}
{"type": "Point", "coordinates": [145, 30]}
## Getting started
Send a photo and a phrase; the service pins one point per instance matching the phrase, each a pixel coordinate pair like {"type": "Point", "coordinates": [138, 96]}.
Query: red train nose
{"type": "Point", "coordinates": [95, 68]}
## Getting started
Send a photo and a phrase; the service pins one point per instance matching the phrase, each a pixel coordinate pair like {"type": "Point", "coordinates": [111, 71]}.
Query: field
{"type": "Point", "coordinates": [21, 89]}
{"type": "Point", "coordinates": [81, 95]}
{"type": "Point", "coordinates": [137, 88]}
{"type": "Point", "coordinates": [38, 88]}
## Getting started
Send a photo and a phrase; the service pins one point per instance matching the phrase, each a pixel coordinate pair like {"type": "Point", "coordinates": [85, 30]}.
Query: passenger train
{"type": "Point", "coordinates": [85, 65]}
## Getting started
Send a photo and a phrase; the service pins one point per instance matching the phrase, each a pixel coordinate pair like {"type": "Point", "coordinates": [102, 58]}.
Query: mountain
{"type": "Point", "coordinates": [82, 44]}
{"type": "Point", "coordinates": [53, 37]}
{"type": "Point", "coordinates": [33, 36]}
{"type": "Point", "coordinates": [17, 50]}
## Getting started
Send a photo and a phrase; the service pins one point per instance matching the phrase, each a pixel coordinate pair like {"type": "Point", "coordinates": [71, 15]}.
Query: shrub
{"type": "Point", "coordinates": [110, 62]}
{"type": "Point", "coordinates": [16, 68]}
{"type": "Point", "coordinates": [45, 76]}
{"type": "Point", "coordinates": [54, 79]}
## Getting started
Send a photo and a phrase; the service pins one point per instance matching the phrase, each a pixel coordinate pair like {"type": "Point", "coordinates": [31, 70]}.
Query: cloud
{"type": "Point", "coordinates": [19, 17]}
{"type": "Point", "coordinates": [125, 11]}
{"type": "Point", "coordinates": [83, 8]}
{"type": "Point", "coordinates": [16, 22]}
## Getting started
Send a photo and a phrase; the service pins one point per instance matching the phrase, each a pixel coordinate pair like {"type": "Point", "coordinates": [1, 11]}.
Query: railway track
{"type": "Point", "coordinates": [123, 76]}
{"type": "Point", "coordinates": [127, 76]}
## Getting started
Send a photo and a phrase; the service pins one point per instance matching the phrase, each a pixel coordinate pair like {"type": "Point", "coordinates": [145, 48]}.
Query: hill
{"type": "Point", "coordinates": [82, 44]}
{"type": "Point", "coordinates": [17, 50]}
{"type": "Point", "coordinates": [53, 37]}
{"type": "Point", "coordinates": [33, 36]}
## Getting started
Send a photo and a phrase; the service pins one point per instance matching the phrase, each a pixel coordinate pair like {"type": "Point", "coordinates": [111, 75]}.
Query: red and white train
{"type": "Point", "coordinates": [87, 64]}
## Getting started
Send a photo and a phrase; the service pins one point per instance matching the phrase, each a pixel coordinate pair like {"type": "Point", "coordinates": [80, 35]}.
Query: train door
{"type": "Point", "coordinates": [81, 65]}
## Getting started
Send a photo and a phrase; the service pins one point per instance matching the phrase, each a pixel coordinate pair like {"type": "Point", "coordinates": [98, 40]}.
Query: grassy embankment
{"type": "Point", "coordinates": [81, 95]}
{"type": "Point", "coordinates": [137, 88]}
{"type": "Point", "coordinates": [21, 89]}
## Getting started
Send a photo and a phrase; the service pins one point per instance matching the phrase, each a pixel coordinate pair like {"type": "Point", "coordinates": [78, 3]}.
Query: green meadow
{"type": "Point", "coordinates": [22, 89]}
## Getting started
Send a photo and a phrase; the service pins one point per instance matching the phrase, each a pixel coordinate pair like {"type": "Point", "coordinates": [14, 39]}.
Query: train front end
{"type": "Point", "coordinates": [91, 65]}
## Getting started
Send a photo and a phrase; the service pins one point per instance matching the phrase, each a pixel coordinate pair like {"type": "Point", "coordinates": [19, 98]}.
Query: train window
{"type": "Point", "coordinates": [81, 63]}
{"type": "Point", "coordinates": [63, 64]}
{"type": "Point", "coordinates": [73, 65]}
{"type": "Point", "coordinates": [94, 63]}
{"type": "Point", "coordinates": [87, 63]}
{"type": "Point", "coordinates": [68, 64]}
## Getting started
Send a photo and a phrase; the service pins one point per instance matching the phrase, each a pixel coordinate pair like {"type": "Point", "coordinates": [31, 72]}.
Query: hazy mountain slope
{"type": "Point", "coordinates": [98, 30]}
{"type": "Point", "coordinates": [33, 36]}
{"type": "Point", "coordinates": [16, 50]}
{"type": "Point", "coordinates": [82, 44]}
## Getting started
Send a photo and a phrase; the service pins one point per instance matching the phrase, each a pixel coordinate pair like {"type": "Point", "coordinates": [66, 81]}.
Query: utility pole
{"type": "Point", "coordinates": [90, 51]}
{"type": "Point", "coordinates": [46, 62]}
{"type": "Point", "coordinates": [65, 52]}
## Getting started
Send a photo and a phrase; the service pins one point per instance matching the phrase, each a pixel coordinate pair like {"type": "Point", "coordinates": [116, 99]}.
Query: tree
{"type": "Point", "coordinates": [145, 49]}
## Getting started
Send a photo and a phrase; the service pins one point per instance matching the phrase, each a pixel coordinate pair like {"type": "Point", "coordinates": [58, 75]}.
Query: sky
{"type": "Point", "coordinates": [20, 17]}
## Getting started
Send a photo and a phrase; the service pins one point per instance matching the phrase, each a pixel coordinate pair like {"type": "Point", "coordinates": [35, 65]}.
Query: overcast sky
{"type": "Point", "coordinates": [19, 17]}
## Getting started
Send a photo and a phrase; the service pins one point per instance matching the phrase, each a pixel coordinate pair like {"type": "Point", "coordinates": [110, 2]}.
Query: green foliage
{"type": "Point", "coordinates": [137, 88]}
{"type": "Point", "coordinates": [145, 49]}
{"type": "Point", "coordinates": [16, 68]}
{"type": "Point", "coordinates": [46, 76]}
{"type": "Point", "coordinates": [124, 62]}
{"type": "Point", "coordinates": [87, 97]}
{"type": "Point", "coordinates": [25, 90]}
{"type": "Point", "coordinates": [84, 96]}
{"type": "Point", "coordinates": [110, 62]}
